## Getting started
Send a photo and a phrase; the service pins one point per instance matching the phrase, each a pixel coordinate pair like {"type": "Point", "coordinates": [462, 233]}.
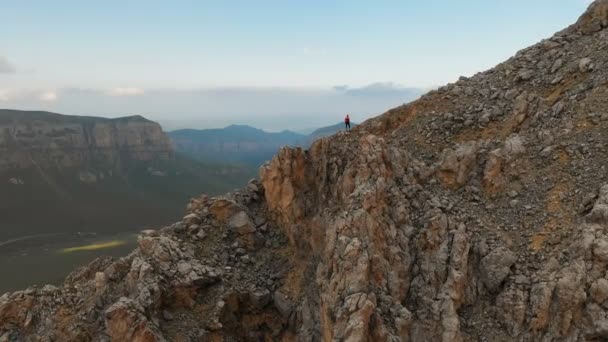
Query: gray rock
{"type": "Point", "coordinates": [167, 316]}
{"type": "Point", "coordinates": [525, 75]}
{"type": "Point", "coordinates": [512, 305]}
{"type": "Point", "coordinates": [585, 65]}
{"type": "Point", "coordinates": [511, 94]}
{"type": "Point", "coordinates": [49, 289]}
{"type": "Point", "coordinates": [558, 108]}
{"type": "Point", "coordinates": [149, 232]}
{"type": "Point", "coordinates": [600, 250]}
{"type": "Point", "coordinates": [253, 187]}
{"type": "Point", "coordinates": [259, 298]}
{"type": "Point", "coordinates": [259, 220]}
{"type": "Point", "coordinates": [599, 290]}
{"type": "Point", "coordinates": [514, 146]}
{"type": "Point", "coordinates": [282, 303]}
{"type": "Point", "coordinates": [191, 219]}
{"type": "Point", "coordinates": [557, 65]}
{"type": "Point", "coordinates": [201, 234]}
{"type": "Point", "coordinates": [485, 118]}
{"type": "Point", "coordinates": [599, 213]}
{"type": "Point", "coordinates": [496, 266]}
{"type": "Point", "coordinates": [557, 79]}
{"type": "Point", "coordinates": [241, 223]}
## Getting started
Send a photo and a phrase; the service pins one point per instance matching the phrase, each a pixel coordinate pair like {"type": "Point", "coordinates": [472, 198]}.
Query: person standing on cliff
{"type": "Point", "coordinates": [347, 123]}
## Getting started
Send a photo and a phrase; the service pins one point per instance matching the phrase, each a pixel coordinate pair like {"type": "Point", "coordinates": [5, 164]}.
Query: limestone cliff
{"type": "Point", "coordinates": [477, 213]}
{"type": "Point", "coordinates": [51, 140]}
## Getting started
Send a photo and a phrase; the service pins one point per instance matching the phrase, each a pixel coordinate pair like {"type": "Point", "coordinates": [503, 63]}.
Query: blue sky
{"type": "Point", "coordinates": [129, 48]}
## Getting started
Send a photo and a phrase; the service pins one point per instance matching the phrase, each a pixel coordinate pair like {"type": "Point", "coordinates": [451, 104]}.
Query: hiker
{"type": "Point", "coordinates": [347, 122]}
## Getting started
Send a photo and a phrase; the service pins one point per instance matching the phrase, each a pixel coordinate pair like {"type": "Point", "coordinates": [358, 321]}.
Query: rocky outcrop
{"type": "Point", "coordinates": [194, 280]}
{"type": "Point", "coordinates": [595, 19]}
{"type": "Point", "coordinates": [477, 213]}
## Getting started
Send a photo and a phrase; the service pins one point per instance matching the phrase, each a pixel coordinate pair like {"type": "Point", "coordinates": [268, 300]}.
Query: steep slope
{"type": "Point", "coordinates": [477, 213]}
{"type": "Point", "coordinates": [54, 140]}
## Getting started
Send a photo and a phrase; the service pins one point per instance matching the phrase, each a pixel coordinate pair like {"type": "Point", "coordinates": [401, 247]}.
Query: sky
{"type": "Point", "coordinates": [270, 63]}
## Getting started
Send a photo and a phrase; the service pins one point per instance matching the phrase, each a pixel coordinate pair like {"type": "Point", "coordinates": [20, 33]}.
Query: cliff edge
{"type": "Point", "coordinates": [477, 213]}
{"type": "Point", "coordinates": [51, 140]}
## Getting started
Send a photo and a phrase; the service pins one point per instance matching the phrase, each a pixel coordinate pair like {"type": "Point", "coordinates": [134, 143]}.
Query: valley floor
{"type": "Point", "coordinates": [41, 259]}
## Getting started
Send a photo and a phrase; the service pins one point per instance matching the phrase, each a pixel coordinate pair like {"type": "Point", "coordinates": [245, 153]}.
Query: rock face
{"type": "Point", "coordinates": [477, 213]}
{"type": "Point", "coordinates": [60, 141]}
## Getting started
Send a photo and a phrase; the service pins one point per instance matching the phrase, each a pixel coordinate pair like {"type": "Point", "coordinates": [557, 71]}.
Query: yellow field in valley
{"type": "Point", "coordinates": [93, 247]}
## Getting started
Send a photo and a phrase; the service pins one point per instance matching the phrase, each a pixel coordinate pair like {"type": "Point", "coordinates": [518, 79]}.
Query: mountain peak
{"type": "Point", "coordinates": [241, 127]}
{"type": "Point", "coordinates": [595, 18]}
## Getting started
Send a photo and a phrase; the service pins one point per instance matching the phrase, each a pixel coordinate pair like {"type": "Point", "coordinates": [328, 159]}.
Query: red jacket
{"type": "Point", "coordinates": [346, 119]}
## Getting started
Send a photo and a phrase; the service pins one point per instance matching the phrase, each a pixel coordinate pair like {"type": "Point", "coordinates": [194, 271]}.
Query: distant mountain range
{"type": "Point", "coordinates": [235, 143]}
{"type": "Point", "coordinates": [242, 144]}
{"type": "Point", "coordinates": [79, 173]}
{"type": "Point", "coordinates": [326, 131]}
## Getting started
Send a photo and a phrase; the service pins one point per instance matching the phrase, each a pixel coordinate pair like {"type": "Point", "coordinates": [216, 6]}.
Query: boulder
{"type": "Point", "coordinates": [455, 166]}
{"type": "Point", "coordinates": [241, 223]}
{"type": "Point", "coordinates": [599, 290]}
{"type": "Point", "coordinates": [191, 219]}
{"type": "Point", "coordinates": [223, 208]}
{"type": "Point", "coordinates": [126, 321]}
{"type": "Point", "coordinates": [495, 267]}
{"type": "Point", "coordinates": [599, 213]}
{"type": "Point", "coordinates": [282, 303]}
{"type": "Point", "coordinates": [585, 65]}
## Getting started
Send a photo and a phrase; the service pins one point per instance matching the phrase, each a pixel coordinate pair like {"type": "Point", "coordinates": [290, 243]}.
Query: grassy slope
{"type": "Point", "coordinates": [135, 200]}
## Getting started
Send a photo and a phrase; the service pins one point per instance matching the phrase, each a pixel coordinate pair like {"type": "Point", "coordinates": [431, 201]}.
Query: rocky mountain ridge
{"type": "Point", "coordinates": [477, 213]}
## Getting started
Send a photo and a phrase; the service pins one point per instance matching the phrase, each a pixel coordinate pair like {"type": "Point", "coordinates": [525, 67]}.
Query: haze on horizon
{"type": "Point", "coordinates": [271, 64]}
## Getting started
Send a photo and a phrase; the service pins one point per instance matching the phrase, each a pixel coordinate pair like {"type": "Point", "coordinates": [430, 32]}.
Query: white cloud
{"type": "Point", "coordinates": [4, 95]}
{"type": "Point", "coordinates": [380, 89]}
{"type": "Point", "coordinates": [48, 96]}
{"type": "Point", "coordinates": [16, 95]}
{"type": "Point", "coordinates": [128, 91]}
{"type": "Point", "coordinates": [6, 67]}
